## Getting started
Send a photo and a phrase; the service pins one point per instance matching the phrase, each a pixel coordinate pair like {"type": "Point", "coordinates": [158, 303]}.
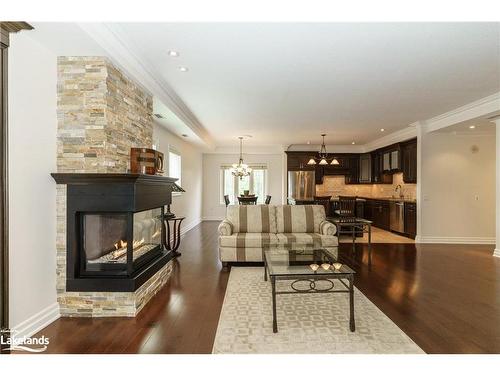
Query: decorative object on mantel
{"type": "Point", "coordinates": [175, 189]}
{"type": "Point", "coordinates": [146, 161]}
{"type": "Point", "coordinates": [241, 169]}
{"type": "Point", "coordinates": [323, 156]}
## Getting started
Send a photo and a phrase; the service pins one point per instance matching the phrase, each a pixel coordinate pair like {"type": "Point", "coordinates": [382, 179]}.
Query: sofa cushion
{"type": "Point", "coordinates": [252, 218]}
{"type": "Point", "coordinates": [307, 238]}
{"type": "Point", "coordinates": [242, 240]}
{"type": "Point", "coordinates": [299, 219]}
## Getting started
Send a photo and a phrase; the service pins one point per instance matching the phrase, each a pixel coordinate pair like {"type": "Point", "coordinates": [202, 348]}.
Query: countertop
{"type": "Point", "coordinates": [363, 199]}
{"type": "Point", "coordinates": [391, 199]}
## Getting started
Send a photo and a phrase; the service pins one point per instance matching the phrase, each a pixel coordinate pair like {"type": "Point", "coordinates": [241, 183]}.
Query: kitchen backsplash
{"type": "Point", "coordinates": [335, 185]}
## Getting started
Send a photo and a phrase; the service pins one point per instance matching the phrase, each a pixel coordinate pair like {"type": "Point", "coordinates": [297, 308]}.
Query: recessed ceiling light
{"type": "Point", "coordinates": [353, 143]}
{"type": "Point", "coordinates": [308, 142]}
{"type": "Point", "coordinates": [382, 130]}
{"type": "Point", "coordinates": [173, 53]}
{"type": "Point", "coordinates": [183, 69]}
{"type": "Point", "coordinates": [472, 127]}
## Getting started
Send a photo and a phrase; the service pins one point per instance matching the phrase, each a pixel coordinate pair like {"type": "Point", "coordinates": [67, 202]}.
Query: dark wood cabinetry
{"type": "Point", "coordinates": [391, 158]}
{"type": "Point", "coordinates": [381, 214]}
{"type": "Point", "coordinates": [376, 167]}
{"type": "Point", "coordinates": [411, 219]}
{"type": "Point", "coordinates": [377, 211]}
{"type": "Point", "coordinates": [409, 161]}
{"type": "Point", "coordinates": [378, 176]}
{"type": "Point", "coordinates": [365, 168]}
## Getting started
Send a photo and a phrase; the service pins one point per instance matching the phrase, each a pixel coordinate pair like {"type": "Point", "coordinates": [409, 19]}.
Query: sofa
{"type": "Point", "coordinates": [248, 228]}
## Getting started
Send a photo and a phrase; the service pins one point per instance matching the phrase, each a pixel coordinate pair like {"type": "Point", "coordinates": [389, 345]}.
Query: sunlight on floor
{"type": "Point", "coordinates": [378, 236]}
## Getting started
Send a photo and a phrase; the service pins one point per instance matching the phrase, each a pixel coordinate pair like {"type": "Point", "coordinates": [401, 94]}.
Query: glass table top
{"type": "Point", "coordinates": [304, 260]}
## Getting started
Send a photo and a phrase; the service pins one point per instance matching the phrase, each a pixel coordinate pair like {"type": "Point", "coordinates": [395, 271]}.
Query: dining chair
{"type": "Point", "coordinates": [247, 200]}
{"type": "Point", "coordinates": [347, 207]}
{"type": "Point", "coordinates": [323, 200]}
{"type": "Point", "coordinates": [226, 200]}
{"type": "Point", "coordinates": [268, 199]}
{"type": "Point", "coordinates": [347, 213]}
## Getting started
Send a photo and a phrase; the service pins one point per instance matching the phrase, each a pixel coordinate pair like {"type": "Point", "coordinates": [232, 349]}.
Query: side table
{"type": "Point", "coordinates": [172, 238]}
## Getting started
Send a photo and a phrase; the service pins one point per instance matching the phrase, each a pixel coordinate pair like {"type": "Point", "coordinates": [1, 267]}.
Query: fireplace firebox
{"type": "Point", "coordinates": [115, 229]}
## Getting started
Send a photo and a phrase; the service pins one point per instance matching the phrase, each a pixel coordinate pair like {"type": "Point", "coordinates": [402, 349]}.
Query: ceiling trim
{"type": "Point", "coordinates": [478, 108]}
{"type": "Point", "coordinates": [397, 136]}
{"type": "Point", "coordinates": [248, 150]}
{"type": "Point", "coordinates": [122, 55]}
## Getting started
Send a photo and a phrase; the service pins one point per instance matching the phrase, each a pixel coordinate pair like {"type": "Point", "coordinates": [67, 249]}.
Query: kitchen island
{"type": "Point", "coordinates": [378, 210]}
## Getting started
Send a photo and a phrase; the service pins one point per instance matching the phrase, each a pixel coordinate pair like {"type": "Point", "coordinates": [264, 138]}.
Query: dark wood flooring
{"type": "Point", "coordinates": [445, 297]}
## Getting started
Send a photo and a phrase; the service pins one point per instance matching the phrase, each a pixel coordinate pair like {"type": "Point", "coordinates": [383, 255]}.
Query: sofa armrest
{"type": "Point", "coordinates": [225, 228]}
{"type": "Point", "coordinates": [327, 228]}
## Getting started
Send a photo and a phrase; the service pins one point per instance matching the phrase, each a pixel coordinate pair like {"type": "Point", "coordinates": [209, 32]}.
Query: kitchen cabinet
{"type": "Point", "coordinates": [409, 161]}
{"type": "Point", "coordinates": [298, 161]}
{"type": "Point", "coordinates": [365, 168]}
{"type": "Point", "coordinates": [391, 160]}
{"type": "Point", "coordinates": [410, 219]}
{"type": "Point", "coordinates": [353, 167]}
{"type": "Point", "coordinates": [381, 214]}
{"type": "Point", "coordinates": [368, 210]}
{"type": "Point", "coordinates": [378, 176]}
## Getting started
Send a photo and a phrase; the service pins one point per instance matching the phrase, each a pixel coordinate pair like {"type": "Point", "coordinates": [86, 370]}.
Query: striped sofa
{"type": "Point", "coordinates": [248, 228]}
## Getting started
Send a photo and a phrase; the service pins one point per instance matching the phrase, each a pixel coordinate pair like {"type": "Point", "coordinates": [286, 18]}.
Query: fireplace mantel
{"type": "Point", "coordinates": [104, 178]}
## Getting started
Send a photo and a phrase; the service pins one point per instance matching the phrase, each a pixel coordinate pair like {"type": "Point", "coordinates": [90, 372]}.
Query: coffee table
{"type": "Point", "coordinates": [292, 263]}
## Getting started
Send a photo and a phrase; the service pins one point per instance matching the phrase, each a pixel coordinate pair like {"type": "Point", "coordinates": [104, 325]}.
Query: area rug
{"type": "Point", "coordinates": [307, 323]}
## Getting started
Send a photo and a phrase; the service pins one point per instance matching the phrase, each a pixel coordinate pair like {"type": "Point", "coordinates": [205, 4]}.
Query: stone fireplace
{"type": "Point", "coordinates": [110, 255]}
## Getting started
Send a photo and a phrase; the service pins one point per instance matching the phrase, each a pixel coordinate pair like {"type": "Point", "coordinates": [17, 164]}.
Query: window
{"type": "Point", "coordinates": [175, 167]}
{"type": "Point", "coordinates": [233, 186]}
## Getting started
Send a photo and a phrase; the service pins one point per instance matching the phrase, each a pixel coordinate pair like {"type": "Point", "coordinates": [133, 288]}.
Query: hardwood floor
{"type": "Point", "coordinates": [445, 297]}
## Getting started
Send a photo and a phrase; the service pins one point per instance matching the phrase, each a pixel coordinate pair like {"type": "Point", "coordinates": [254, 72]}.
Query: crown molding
{"type": "Point", "coordinates": [247, 150]}
{"type": "Point", "coordinates": [108, 37]}
{"type": "Point", "coordinates": [394, 137]}
{"type": "Point", "coordinates": [337, 149]}
{"type": "Point", "coordinates": [478, 108]}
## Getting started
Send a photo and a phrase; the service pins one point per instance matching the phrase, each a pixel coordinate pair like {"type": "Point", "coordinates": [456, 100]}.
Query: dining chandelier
{"type": "Point", "coordinates": [241, 169]}
{"type": "Point", "coordinates": [322, 158]}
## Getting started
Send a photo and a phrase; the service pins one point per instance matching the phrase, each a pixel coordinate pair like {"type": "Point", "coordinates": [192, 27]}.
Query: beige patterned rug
{"type": "Point", "coordinates": [307, 323]}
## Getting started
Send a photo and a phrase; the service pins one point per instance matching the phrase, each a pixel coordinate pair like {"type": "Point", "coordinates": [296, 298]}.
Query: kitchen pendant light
{"type": "Point", "coordinates": [323, 156]}
{"type": "Point", "coordinates": [241, 169]}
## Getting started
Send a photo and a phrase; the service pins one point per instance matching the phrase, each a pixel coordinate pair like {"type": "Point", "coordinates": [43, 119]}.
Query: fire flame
{"type": "Point", "coordinates": [123, 244]}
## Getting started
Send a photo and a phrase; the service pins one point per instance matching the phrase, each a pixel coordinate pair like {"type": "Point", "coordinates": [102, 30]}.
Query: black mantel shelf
{"type": "Point", "coordinates": [103, 178]}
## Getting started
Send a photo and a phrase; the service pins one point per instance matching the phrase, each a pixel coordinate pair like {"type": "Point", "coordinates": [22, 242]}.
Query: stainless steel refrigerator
{"type": "Point", "coordinates": [301, 185]}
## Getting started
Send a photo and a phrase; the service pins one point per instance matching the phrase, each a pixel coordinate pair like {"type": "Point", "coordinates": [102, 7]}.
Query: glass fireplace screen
{"type": "Point", "coordinates": [105, 236]}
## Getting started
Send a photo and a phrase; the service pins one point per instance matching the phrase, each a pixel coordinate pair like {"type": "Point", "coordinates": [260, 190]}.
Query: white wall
{"type": "Point", "coordinates": [497, 249]}
{"type": "Point", "coordinates": [32, 157]}
{"type": "Point", "coordinates": [212, 208]}
{"type": "Point", "coordinates": [452, 177]}
{"type": "Point", "coordinates": [186, 204]}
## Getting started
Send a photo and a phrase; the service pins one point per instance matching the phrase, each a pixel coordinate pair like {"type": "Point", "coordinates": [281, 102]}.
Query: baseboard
{"type": "Point", "coordinates": [37, 322]}
{"type": "Point", "coordinates": [213, 218]}
{"type": "Point", "coordinates": [186, 228]}
{"type": "Point", "coordinates": [457, 240]}
{"type": "Point", "coordinates": [496, 253]}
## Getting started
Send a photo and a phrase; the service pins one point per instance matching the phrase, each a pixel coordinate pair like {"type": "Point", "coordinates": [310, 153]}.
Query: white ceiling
{"type": "Point", "coordinates": [287, 83]}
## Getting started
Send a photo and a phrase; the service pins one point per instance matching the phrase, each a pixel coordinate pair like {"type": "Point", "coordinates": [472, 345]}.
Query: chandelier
{"type": "Point", "coordinates": [241, 169]}
{"type": "Point", "coordinates": [323, 158]}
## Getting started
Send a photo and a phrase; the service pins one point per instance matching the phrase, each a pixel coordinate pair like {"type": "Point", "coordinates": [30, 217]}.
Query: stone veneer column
{"type": "Point", "coordinates": [101, 114]}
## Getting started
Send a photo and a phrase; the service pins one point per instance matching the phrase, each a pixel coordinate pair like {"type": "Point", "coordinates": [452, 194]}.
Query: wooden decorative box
{"type": "Point", "coordinates": [146, 161]}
